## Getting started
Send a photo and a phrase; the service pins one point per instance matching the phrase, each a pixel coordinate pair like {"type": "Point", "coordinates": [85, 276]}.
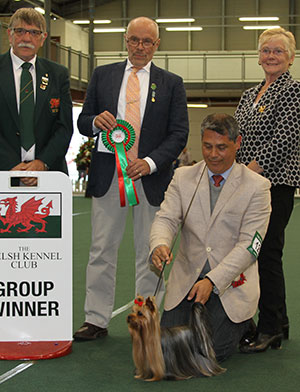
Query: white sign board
{"type": "Point", "coordinates": [36, 258]}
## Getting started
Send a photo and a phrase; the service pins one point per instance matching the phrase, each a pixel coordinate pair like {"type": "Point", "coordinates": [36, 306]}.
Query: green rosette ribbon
{"type": "Point", "coordinates": [119, 140]}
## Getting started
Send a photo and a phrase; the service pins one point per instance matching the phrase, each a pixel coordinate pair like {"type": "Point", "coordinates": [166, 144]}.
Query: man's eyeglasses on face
{"type": "Point", "coordinates": [147, 42]}
{"type": "Point", "coordinates": [276, 52]}
{"type": "Point", "coordinates": [19, 31]}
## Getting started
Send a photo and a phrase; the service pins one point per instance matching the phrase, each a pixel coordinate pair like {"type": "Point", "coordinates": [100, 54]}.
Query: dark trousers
{"type": "Point", "coordinates": [272, 307]}
{"type": "Point", "coordinates": [226, 334]}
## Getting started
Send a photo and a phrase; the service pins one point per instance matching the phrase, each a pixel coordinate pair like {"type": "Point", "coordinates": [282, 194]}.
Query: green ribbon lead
{"type": "Point", "coordinates": [128, 183]}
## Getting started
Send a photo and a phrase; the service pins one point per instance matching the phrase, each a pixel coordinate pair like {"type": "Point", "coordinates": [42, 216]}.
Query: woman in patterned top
{"type": "Point", "coordinates": [269, 119]}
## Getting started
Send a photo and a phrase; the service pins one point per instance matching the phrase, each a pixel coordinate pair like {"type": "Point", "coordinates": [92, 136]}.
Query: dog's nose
{"type": "Point", "coordinates": [129, 318]}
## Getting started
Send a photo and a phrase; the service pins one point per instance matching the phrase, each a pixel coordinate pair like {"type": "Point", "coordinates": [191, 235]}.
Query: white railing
{"type": "Point", "coordinates": [206, 67]}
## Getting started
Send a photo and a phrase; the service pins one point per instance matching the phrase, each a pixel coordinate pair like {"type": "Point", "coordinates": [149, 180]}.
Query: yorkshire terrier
{"type": "Point", "coordinates": [176, 353]}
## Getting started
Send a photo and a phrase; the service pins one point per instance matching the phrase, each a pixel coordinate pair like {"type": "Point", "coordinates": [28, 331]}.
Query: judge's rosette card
{"type": "Point", "coordinates": [119, 140]}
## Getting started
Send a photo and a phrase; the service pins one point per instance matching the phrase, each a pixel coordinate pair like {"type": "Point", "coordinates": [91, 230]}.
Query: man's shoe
{"type": "Point", "coordinates": [261, 343]}
{"type": "Point", "coordinates": [89, 332]}
{"type": "Point", "coordinates": [285, 331]}
{"type": "Point", "coordinates": [249, 336]}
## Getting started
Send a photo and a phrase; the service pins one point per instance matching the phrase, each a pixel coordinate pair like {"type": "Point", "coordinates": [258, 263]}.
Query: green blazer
{"type": "Point", "coordinates": [53, 115]}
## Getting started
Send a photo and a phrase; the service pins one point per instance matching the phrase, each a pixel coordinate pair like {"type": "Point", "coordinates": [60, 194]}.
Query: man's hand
{"type": "Point", "coordinates": [201, 290]}
{"type": "Point", "coordinates": [161, 254]}
{"type": "Point", "coordinates": [105, 121]}
{"type": "Point", "coordinates": [35, 165]}
{"type": "Point", "coordinates": [137, 169]}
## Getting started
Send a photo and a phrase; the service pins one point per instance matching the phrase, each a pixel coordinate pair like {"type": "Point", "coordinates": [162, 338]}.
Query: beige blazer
{"type": "Point", "coordinates": [242, 209]}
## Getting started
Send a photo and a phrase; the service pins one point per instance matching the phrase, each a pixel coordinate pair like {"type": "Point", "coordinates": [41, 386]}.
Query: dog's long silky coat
{"type": "Point", "coordinates": [170, 353]}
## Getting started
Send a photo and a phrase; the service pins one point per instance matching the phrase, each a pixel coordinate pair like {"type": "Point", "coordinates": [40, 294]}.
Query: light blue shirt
{"type": "Point", "coordinates": [224, 175]}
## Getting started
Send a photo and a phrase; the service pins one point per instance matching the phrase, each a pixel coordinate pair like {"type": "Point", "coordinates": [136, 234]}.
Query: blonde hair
{"type": "Point", "coordinates": [281, 33]}
{"type": "Point", "coordinates": [30, 16]}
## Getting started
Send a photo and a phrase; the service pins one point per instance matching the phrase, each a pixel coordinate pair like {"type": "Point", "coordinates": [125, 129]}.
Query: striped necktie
{"type": "Point", "coordinates": [132, 112]}
{"type": "Point", "coordinates": [26, 108]}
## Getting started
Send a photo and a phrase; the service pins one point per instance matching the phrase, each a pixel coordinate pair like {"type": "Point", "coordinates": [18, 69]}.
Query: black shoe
{"type": "Point", "coordinates": [249, 335]}
{"type": "Point", "coordinates": [285, 331]}
{"type": "Point", "coordinates": [89, 332]}
{"type": "Point", "coordinates": [262, 343]}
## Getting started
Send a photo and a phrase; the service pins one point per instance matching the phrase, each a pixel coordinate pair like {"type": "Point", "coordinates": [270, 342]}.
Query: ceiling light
{"type": "Point", "coordinates": [81, 21]}
{"type": "Point", "coordinates": [40, 10]}
{"type": "Point", "coordinates": [102, 21]}
{"type": "Point", "coordinates": [187, 28]}
{"type": "Point", "coordinates": [197, 105]}
{"type": "Point", "coordinates": [175, 20]}
{"type": "Point", "coordinates": [112, 30]}
{"type": "Point", "coordinates": [96, 21]}
{"type": "Point", "coordinates": [258, 18]}
{"type": "Point", "coordinates": [260, 27]}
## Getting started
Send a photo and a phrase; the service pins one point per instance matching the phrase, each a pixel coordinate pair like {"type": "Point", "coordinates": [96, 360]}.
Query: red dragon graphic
{"type": "Point", "coordinates": [27, 214]}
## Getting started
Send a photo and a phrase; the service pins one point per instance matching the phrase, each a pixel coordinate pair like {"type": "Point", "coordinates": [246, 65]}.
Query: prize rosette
{"type": "Point", "coordinates": [119, 140]}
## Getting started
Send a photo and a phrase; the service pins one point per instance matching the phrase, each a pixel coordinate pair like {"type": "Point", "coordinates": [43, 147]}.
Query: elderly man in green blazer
{"type": "Point", "coordinates": [51, 124]}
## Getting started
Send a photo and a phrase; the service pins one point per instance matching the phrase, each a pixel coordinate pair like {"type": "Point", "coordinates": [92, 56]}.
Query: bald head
{"type": "Point", "coordinates": [144, 22]}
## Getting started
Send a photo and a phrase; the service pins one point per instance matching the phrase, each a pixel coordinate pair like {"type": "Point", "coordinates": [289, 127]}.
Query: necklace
{"type": "Point", "coordinates": [260, 93]}
{"type": "Point", "coordinates": [263, 90]}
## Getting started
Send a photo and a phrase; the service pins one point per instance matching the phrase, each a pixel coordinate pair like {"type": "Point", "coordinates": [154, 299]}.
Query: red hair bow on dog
{"type": "Point", "coordinates": [137, 302]}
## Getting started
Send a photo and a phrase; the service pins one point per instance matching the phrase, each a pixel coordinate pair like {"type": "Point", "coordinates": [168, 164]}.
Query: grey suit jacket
{"type": "Point", "coordinates": [242, 209]}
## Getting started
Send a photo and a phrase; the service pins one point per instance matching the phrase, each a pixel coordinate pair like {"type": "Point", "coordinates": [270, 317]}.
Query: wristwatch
{"type": "Point", "coordinates": [215, 290]}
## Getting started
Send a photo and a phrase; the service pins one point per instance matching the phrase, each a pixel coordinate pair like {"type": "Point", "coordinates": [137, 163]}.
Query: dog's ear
{"type": "Point", "coordinates": [150, 304]}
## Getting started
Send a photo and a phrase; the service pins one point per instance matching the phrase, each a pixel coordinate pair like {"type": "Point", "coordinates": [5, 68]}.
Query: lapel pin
{"type": "Point", "coordinates": [153, 88]}
{"type": "Point", "coordinates": [262, 108]}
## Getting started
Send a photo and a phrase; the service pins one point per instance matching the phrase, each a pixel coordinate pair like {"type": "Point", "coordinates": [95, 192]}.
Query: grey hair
{"type": "Point", "coordinates": [222, 123]}
{"type": "Point", "coordinates": [286, 36]}
{"type": "Point", "coordinates": [30, 16]}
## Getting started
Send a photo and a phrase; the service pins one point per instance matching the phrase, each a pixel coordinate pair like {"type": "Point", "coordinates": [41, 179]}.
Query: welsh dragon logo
{"type": "Point", "coordinates": [27, 214]}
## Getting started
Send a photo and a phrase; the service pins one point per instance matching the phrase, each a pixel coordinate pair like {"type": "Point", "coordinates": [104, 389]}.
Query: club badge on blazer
{"type": "Point", "coordinates": [44, 82]}
{"type": "Point", "coordinates": [54, 105]}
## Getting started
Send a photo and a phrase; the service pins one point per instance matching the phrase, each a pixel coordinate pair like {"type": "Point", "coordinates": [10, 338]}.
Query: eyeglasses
{"type": "Point", "coordinates": [19, 31]}
{"type": "Point", "coordinates": [276, 52]}
{"type": "Point", "coordinates": [147, 42]}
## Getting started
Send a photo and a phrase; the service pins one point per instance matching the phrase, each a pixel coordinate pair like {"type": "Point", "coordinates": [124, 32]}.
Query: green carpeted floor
{"type": "Point", "coordinates": [106, 365]}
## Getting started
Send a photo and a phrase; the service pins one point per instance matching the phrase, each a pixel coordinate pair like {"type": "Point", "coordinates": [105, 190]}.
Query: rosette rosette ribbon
{"type": "Point", "coordinates": [119, 140]}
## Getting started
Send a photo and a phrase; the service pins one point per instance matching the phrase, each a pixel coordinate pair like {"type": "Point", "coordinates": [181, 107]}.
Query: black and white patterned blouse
{"type": "Point", "coordinates": [271, 130]}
